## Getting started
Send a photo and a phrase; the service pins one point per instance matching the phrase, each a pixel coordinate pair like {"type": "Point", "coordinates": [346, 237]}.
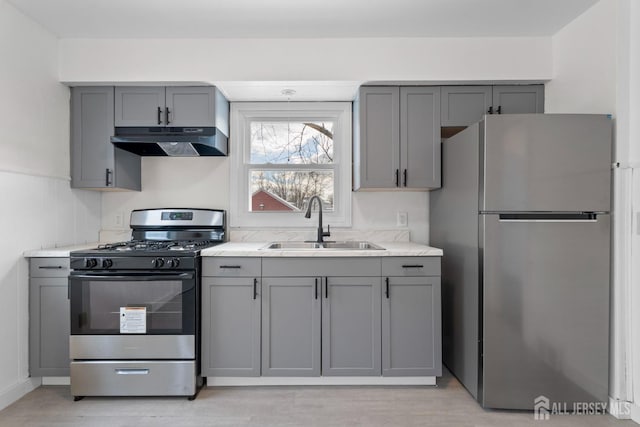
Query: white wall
{"type": "Point", "coordinates": [38, 208]}
{"type": "Point", "coordinates": [596, 66]}
{"type": "Point", "coordinates": [216, 60]}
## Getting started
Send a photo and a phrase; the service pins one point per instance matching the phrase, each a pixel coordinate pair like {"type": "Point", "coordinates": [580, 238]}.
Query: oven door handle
{"type": "Point", "coordinates": [146, 278]}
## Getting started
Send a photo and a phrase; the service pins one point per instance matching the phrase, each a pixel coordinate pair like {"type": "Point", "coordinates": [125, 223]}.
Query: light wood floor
{"type": "Point", "coordinates": [448, 404]}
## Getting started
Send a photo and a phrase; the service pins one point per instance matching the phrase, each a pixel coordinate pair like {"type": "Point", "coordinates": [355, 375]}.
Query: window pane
{"type": "Point", "coordinates": [291, 142]}
{"type": "Point", "coordinates": [288, 191]}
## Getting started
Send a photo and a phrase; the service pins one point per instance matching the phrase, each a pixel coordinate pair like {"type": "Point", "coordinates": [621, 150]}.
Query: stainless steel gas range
{"type": "Point", "coordinates": [135, 307]}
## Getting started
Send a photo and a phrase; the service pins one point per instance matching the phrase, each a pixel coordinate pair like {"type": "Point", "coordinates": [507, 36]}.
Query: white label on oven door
{"type": "Point", "coordinates": [133, 320]}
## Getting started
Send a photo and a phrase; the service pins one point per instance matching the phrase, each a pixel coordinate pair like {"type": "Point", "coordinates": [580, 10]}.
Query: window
{"type": "Point", "coordinates": [282, 154]}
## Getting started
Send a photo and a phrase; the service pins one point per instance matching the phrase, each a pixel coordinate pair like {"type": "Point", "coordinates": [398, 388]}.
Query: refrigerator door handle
{"type": "Point", "coordinates": [580, 217]}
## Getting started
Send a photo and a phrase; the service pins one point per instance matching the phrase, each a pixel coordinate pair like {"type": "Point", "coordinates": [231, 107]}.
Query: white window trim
{"type": "Point", "coordinates": [242, 113]}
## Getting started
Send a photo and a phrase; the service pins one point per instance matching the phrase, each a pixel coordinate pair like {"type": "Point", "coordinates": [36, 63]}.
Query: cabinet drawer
{"type": "Point", "coordinates": [49, 267]}
{"type": "Point", "coordinates": [411, 266]}
{"type": "Point", "coordinates": [231, 267]}
{"type": "Point", "coordinates": [309, 267]}
{"type": "Point", "coordinates": [133, 378]}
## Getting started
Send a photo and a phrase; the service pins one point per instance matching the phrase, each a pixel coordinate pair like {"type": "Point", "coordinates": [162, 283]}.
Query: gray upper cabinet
{"type": "Point", "coordinates": [179, 106]}
{"type": "Point", "coordinates": [49, 324]}
{"type": "Point", "coordinates": [351, 326]}
{"type": "Point", "coordinates": [518, 99]}
{"type": "Point", "coordinates": [376, 137]}
{"type": "Point", "coordinates": [464, 105]}
{"type": "Point", "coordinates": [95, 162]}
{"type": "Point", "coordinates": [140, 106]}
{"type": "Point", "coordinates": [420, 137]}
{"type": "Point", "coordinates": [397, 137]}
{"type": "Point", "coordinates": [290, 326]}
{"type": "Point", "coordinates": [231, 326]}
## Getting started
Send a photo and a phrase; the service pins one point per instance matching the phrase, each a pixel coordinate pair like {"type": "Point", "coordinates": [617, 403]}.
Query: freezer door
{"type": "Point", "coordinates": [545, 321]}
{"type": "Point", "coordinates": [546, 162]}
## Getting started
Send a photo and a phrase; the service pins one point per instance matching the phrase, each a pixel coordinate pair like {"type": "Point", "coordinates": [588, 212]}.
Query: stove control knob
{"type": "Point", "coordinates": [107, 263]}
{"type": "Point", "coordinates": [90, 262]}
{"type": "Point", "coordinates": [173, 263]}
{"type": "Point", "coordinates": [157, 262]}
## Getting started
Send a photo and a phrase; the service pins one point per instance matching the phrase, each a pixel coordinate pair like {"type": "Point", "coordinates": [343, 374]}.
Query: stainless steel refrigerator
{"type": "Point", "coordinates": [523, 218]}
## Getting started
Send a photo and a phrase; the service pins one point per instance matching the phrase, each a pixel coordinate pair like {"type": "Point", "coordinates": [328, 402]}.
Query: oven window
{"type": "Point", "coordinates": [167, 306]}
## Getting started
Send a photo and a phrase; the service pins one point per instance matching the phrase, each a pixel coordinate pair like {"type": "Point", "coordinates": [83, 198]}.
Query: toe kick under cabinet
{"type": "Point", "coordinates": [309, 317]}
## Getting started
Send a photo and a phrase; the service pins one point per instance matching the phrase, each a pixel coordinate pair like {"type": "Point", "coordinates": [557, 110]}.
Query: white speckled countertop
{"type": "Point", "coordinates": [254, 249]}
{"type": "Point", "coordinates": [62, 251]}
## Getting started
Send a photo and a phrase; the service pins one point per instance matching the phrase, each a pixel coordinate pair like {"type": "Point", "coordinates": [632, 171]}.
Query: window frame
{"type": "Point", "coordinates": [242, 114]}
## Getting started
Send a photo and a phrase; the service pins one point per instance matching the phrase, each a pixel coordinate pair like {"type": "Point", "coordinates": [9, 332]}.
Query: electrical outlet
{"type": "Point", "coordinates": [402, 219]}
{"type": "Point", "coordinates": [119, 219]}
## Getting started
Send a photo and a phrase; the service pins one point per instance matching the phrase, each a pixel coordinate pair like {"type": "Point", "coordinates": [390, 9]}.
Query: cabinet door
{"type": "Point", "coordinates": [49, 327]}
{"type": "Point", "coordinates": [376, 138]}
{"type": "Point", "coordinates": [464, 105]}
{"type": "Point", "coordinates": [518, 99]}
{"type": "Point", "coordinates": [411, 336]}
{"type": "Point", "coordinates": [91, 129]}
{"type": "Point", "coordinates": [230, 326]}
{"type": "Point", "coordinates": [351, 326]}
{"type": "Point", "coordinates": [420, 137]}
{"type": "Point", "coordinates": [140, 106]}
{"type": "Point", "coordinates": [190, 106]}
{"type": "Point", "coordinates": [290, 326]}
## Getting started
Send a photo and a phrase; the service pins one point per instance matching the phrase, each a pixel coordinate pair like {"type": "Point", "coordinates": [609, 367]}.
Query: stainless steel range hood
{"type": "Point", "coordinates": [171, 141]}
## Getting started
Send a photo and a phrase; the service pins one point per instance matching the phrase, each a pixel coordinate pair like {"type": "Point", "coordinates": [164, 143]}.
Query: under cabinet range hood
{"type": "Point", "coordinates": [171, 141]}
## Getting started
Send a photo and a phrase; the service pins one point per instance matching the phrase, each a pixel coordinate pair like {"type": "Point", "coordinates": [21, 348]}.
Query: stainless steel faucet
{"type": "Point", "coordinates": [321, 233]}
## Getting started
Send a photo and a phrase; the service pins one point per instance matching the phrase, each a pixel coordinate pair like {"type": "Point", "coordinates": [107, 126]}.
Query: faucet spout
{"type": "Point", "coordinates": [321, 233]}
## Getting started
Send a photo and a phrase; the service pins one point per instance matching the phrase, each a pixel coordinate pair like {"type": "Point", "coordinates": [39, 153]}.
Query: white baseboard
{"type": "Point", "coordinates": [16, 391]}
{"type": "Point", "coordinates": [56, 380]}
{"type": "Point", "coordinates": [271, 381]}
{"type": "Point", "coordinates": [620, 409]}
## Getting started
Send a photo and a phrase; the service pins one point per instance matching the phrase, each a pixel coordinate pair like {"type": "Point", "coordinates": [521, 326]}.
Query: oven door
{"type": "Point", "coordinates": [133, 303]}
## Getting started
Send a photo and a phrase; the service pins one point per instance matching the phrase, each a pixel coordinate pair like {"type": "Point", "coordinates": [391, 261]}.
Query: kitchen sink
{"type": "Point", "coordinates": [345, 245]}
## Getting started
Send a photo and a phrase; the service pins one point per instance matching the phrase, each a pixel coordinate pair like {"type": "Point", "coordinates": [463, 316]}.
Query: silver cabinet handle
{"type": "Point", "coordinates": [132, 371]}
{"type": "Point", "coordinates": [50, 267]}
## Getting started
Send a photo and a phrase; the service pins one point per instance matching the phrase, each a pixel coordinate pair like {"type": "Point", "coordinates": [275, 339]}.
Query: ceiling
{"type": "Point", "coordinates": [301, 18]}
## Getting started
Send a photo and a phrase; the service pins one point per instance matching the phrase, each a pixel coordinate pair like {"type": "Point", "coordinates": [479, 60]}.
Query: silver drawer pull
{"type": "Point", "coordinates": [412, 266]}
{"type": "Point", "coordinates": [50, 267]}
{"type": "Point", "coordinates": [132, 371]}
{"type": "Point", "coordinates": [229, 266]}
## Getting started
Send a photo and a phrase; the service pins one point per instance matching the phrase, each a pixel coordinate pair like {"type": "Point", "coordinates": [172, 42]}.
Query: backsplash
{"type": "Point", "coordinates": [269, 235]}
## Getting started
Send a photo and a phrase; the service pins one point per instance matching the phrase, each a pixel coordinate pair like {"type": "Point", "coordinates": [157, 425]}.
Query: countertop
{"type": "Point", "coordinates": [253, 249]}
{"type": "Point", "coordinates": [62, 251]}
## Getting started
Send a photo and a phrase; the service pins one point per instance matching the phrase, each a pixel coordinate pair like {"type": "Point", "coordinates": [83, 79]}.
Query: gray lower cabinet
{"type": "Point", "coordinates": [411, 318]}
{"type": "Point", "coordinates": [462, 106]}
{"type": "Point", "coordinates": [279, 316]}
{"type": "Point", "coordinates": [95, 162]}
{"type": "Point", "coordinates": [49, 323]}
{"type": "Point", "coordinates": [290, 326]}
{"type": "Point", "coordinates": [231, 307]}
{"type": "Point", "coordinates": [351, 326]}
{"type": "Point", "coordinates": [231, 326]}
